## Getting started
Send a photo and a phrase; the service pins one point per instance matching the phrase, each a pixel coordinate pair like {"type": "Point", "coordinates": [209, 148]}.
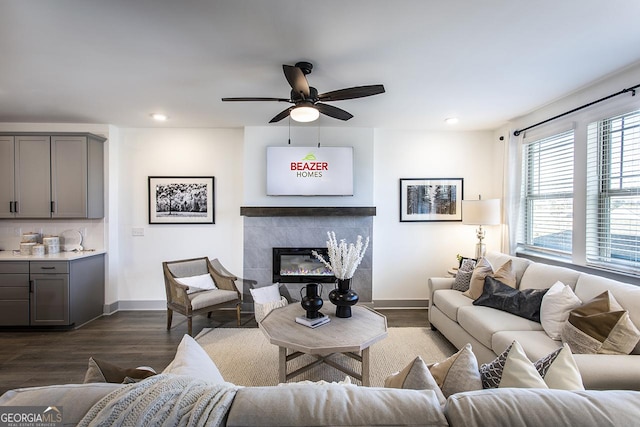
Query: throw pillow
{"type": "Point", "coordinates": [483, 268]}
{"type": "Point", "coordinates": [554, 310]}
{"type": "Point", "coordinates": [415, 376]}
{"type": "Point", "coordinates": [525, 303]}
{"type": "Point", "coordinates": [457, 373]}
{"type": "Point", "coordinates": [511, 368]}
{"type": "Point", "coordinates": [100, 371]}
{"type": "Point", "coordinates": [266, 294]}
{"type": "Point", "coordinates": [600, 326]}
{"type": "Point", "coordinates": [559, 370]}
{"type": "Point", "coordinates": [202, 282]}
{"type": "Point", "coordinates": [467, 264]}
{"type": "Point", "coordinates": [462, 280]}
{"type": "Point", "coordinates": [192, 360]}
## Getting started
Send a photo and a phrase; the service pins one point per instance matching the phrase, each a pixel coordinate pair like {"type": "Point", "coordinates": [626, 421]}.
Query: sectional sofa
{"type": "Point", "coordinates": [490, 331]}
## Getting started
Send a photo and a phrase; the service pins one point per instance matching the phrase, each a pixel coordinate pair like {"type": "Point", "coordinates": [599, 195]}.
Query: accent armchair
{"type": "Point", "coordinates": [195, 286]}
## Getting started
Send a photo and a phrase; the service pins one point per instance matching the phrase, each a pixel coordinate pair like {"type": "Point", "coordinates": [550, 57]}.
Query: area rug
{"type": "Point", "coordinates": [245, 357]}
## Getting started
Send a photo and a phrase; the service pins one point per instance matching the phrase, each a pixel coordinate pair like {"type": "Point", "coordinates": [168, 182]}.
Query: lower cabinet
{"type": "Point", "coordinates": [51, 293]}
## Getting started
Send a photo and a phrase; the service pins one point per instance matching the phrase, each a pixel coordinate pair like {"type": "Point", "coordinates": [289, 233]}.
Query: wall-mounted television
{"type": "Point", "coordinates": [309, 171]}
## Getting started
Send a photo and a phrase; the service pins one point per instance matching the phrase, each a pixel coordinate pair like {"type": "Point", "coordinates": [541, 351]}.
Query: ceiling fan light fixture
{"type": "Point", "coordinates": [304, 114]}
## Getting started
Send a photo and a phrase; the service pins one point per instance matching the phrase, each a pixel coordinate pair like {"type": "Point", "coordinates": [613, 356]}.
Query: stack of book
{"type": "Point", "coordinates": [313, 323]}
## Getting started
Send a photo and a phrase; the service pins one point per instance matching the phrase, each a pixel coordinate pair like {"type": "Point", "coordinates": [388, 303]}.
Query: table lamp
{"type": "Point", "coordinates": [481, 212]}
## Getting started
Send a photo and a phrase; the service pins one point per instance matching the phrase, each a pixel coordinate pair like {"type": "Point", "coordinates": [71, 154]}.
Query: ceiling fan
{"type": "Point", "coordinates": [307, 103]}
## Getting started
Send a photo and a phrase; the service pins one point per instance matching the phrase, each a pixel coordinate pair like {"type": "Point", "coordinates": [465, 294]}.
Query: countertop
{"type": "Point", "coordinates": [9, 255]}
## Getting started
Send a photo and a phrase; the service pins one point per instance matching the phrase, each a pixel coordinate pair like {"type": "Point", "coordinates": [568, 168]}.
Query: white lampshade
{"type": "Point", "coordinates": [304, 114]}
{"type": "Point", "coordinates": [481, 212]}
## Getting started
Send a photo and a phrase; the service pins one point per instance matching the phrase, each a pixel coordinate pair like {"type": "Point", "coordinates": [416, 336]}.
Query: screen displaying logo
{"type": "Point", "coordinates": [307, 171]}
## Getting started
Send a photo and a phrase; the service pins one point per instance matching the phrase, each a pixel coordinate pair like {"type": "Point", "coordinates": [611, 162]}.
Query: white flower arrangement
{"type": "Point", "coordinates": [343, 258]}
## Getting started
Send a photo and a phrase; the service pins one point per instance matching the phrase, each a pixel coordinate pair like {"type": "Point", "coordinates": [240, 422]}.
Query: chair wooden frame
{"type": "Point", "coordinates": [178, 299]}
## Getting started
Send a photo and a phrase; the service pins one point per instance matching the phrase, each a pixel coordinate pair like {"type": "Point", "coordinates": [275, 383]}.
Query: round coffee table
{"type": "Point", "coordinates": [351, 336]}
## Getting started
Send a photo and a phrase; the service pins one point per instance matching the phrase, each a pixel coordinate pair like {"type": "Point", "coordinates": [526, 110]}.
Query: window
{"type": "Point", "coordinates": [613, 193]}
{"type": "Point", "coordinates": [547, 195]}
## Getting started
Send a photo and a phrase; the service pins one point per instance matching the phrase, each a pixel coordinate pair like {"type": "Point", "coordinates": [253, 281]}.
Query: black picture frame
{"type": "Point", "coordinates": [431, 199]}
{"type": "Point", "coordinates": [181, 199]}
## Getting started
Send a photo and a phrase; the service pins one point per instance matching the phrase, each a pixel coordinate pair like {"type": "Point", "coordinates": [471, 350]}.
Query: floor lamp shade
{"type": "Point", "coordinates": [481, 212]}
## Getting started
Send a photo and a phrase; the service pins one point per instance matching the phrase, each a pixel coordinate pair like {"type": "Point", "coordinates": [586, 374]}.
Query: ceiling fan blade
{"type": "Point", "coordinates": [352, 93]}
{"type": "Point", "coordinates": [296, 79]}
{"type": "Point", "coordinates": [331, 111]}
{"type": "Point", "coordinates": [256, 99]}
{"type": "Point", "coordinates": [281, 115]}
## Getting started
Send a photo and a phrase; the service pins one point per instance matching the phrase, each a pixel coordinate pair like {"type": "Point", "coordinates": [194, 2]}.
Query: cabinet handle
{"type": "Point", "coordinates": [11, 207]}
{"type": "Point", "coordinates": [47, 268]}
{"type": "Point", "coordinates": [15, 207]}
{"type": "Point", "coordinates": [53, 206]}
{"type": "Point", "coordinates": [31, 286]}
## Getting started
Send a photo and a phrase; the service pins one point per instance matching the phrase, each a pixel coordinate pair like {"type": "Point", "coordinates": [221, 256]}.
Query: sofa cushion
{"type": "Point", "coordinates": [75, 399]}
{"type": "Point", "coordinates": [600, 326]}
{"type": "Point", "coordinates": [415, 376]}
{"type": "Point", "coordinates": [458, 372]}
{"type": "Point", "coordinates": [504, 273]}
{"type": "Point", "coordinates": [542, 276]}
{"type": "Point", "coordinates": [334, 405]}
{"type": "Point", "coordinates": [542, 408]}
{"type": "Point", "coordinates": [554, 310]}
{"type": "Point", "coordinates": [192, 360]}
{"type": "Point", "coordinates": [526, 303]}
{"type": "Point", "coordinates": [449, 301]}
{"type": "Point", "coordinates": [536, 344]}
{"type": "Point", "coordinates": [483, 322]}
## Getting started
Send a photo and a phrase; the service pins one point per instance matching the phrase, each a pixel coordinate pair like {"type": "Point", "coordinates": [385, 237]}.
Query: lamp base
{"type": "Point", "coordinates": [481, 250]}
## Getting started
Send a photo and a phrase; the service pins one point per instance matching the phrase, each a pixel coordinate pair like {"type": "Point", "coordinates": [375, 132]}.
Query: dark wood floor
{"type": "Point", "coordinates": [127, 339]}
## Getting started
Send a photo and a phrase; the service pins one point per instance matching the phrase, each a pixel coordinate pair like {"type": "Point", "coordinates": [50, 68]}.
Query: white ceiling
{"type": "Point", "coordinates": [117, 61]}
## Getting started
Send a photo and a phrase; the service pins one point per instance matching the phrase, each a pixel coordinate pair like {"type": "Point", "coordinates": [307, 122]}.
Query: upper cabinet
{"type": "Point", "coordinates": [52, 176]}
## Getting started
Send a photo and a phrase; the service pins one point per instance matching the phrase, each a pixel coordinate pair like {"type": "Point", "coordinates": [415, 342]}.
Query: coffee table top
{"type": "Point", "coordinates": [364, 328]}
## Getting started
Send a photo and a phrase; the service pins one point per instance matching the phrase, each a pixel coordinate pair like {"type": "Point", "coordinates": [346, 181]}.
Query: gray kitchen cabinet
{"type": "Point", "coordinates": [7, 189]}
{"type": "Point", "coordinates": [25, 191]}
{"type": "Point", "coordinates": [65, 293]}
{"type": "Point", "coordinates": [51, 175]}
{"type": "Point", "coordinates": [14, 293]}
{"type": "Point", "coordinates": [77, 177]}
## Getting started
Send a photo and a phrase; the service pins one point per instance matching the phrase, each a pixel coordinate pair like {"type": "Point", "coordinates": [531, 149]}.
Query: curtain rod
{"type": "Point", "coordinates": [631, 89]}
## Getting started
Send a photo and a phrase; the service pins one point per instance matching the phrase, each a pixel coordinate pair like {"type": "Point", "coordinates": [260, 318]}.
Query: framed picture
{"type": "Point", "coordinates": [181, 200]}
{"type": "Point", "coordinates": [430, 199]}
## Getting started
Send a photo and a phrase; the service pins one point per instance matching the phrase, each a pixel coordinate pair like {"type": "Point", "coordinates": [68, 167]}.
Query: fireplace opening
{"type": "Point", "coordinates": [298, 265]}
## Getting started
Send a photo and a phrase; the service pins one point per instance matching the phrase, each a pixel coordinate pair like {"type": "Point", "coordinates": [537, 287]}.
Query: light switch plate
{"type": "Point", "coordinates": [137, 231]}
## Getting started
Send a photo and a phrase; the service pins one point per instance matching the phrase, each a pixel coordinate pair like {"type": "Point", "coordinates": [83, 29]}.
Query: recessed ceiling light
{"type": "Point", "coordinates": [451, 120]}
{"type": "Point", "coordinates": [159, 117]}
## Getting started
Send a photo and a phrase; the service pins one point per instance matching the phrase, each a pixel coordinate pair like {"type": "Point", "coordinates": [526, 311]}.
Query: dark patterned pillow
{"type": "Point", "coordinates": [462, 280]}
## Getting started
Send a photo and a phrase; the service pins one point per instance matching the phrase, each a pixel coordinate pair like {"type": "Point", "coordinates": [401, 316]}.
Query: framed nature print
{"type": "Point", "coordinates": [430, 199]}
{"type": "Point", "coordinates": [181, 200]}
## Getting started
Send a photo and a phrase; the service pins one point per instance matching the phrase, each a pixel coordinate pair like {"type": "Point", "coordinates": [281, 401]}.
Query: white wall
{"type": "Point", "coordinates": [135, 265]}
{"type": "Point", "coordinates": [406, 254]}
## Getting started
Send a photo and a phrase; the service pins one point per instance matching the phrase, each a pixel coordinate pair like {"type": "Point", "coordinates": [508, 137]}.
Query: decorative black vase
{"type": "Point", "coordinates": [343, 297]}
{"type": "Point", "coordinates": [312, 302]}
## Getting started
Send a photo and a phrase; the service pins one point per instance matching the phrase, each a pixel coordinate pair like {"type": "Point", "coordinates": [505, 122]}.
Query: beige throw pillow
{"type": "Point", "coordinates": [600, 326]}
{"type": "Point", "coordinates": [457, 373]}
{"type": "Point", "coordinates": [415, 376]}
{"type": "Point", "coordinates": [504, 274]}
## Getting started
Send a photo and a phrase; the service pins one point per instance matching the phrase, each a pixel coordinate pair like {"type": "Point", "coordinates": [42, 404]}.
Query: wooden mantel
{"type": "Point", "coordinates": [307, 211]}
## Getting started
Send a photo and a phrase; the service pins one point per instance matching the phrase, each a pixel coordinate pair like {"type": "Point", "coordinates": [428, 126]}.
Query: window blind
{"type": "Point", "coordinates": [613, 193]}
{"type": "Point", "coordinates": [547, 194]}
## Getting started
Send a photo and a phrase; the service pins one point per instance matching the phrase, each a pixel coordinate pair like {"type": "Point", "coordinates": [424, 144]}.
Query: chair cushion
{"type": "Point", "coordinates": [208, 298]}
